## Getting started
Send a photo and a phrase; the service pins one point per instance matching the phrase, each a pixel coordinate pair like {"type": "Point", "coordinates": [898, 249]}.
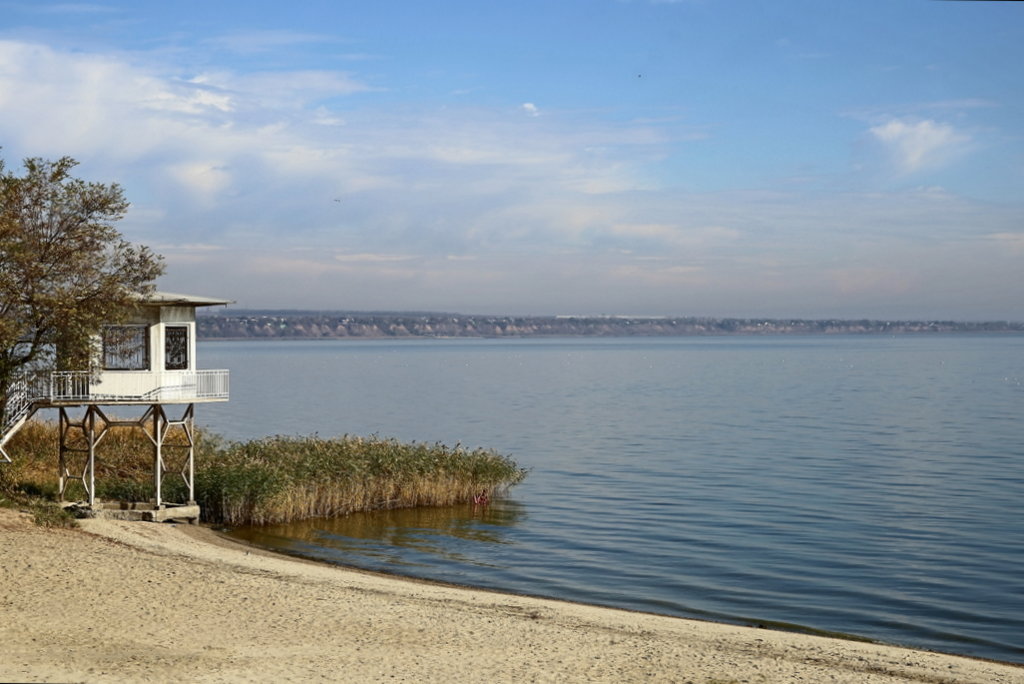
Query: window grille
{"type": "Point", "coordinates": [176, 348]}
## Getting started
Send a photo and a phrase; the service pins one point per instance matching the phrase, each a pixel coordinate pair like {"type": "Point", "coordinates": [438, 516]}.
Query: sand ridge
{"type": "Point", "coordinates": [146, 602]}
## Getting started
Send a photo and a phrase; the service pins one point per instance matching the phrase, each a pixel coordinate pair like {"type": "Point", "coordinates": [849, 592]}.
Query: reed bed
{"type": "Point", "coordinates": [282, 479]}
{"type": "Point", "coordinates": [274, 479]}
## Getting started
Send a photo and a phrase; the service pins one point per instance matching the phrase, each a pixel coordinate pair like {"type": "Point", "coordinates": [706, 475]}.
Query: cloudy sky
{"type": "Point", "coordinates": [854, 158]}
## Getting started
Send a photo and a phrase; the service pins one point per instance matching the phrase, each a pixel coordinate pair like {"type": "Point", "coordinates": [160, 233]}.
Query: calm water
{"type": "Point", "coordinates": [865, 485]}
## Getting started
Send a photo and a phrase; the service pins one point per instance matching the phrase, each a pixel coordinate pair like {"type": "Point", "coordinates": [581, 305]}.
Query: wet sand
{"type": "Point", "coordinates": [145, 602]}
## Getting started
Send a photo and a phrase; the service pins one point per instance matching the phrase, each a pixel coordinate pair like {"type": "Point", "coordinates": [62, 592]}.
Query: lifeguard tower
{"type": "Point", "coordinates": [150, 362]}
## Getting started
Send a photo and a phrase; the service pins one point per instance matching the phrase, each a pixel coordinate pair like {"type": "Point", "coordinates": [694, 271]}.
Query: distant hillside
{"type": "Point", "coordinates": [313, 325]}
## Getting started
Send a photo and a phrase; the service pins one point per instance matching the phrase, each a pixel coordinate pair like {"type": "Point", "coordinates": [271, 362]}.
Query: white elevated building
{"type": "Point", "coordinates": [149, 361]}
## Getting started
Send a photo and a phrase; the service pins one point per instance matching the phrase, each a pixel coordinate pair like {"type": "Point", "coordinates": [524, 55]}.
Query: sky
{"type": "Point", "coordinates": [730, 158]}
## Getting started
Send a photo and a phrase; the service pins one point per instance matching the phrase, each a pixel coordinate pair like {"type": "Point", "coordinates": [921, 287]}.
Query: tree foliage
{"type": "Point", "coordinates": [65, 270]}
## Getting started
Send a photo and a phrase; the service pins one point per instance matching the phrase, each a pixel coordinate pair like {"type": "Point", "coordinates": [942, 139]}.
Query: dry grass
{"type": "Point", "coordinates": [276, 479]}
{"type": "Point", "coordinates": [280, 479]}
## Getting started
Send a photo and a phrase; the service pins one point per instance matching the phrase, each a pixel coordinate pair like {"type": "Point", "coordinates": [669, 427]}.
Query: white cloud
{"type": "Point", "coordinates": [72, 8]}
{"type": "Point", "coordinates": [324, 117]}
{"type": "Point", "coordinates": [252, 42]}
{"type": "Point", "coordinates": [887, 281]}
{"type": "Point", "coordinates": [920, 145]}
{"type": "Point", "coordinates": [1013, 241]}
{"type": "Point", "coordinates": [202, 179]}
{"type": "Point", "coordinates": [189, 247]}
{"type": "Point", "coordinates": [964, 103]}
{"type": "Point", "coordinates": [372, 258]}
{"type": "Point", "coordinates": [675, 235]}
{"type": "Point", "coordinates": [146, 126]}
{"type": "Point", "coordinates": [660, 276]}
{"type": "Point", "coordinates": [530, 109]}
{"type": "Point", "coordinates": [658, 231]}
{"type": "Point", "coordinates": [264, 150]}
{"type": "Point", "coordinates": [282, 90]}
{"type": "Point", "coordinates": [185, 98]}
{"type": "Point", "coordinates": [468, 208]}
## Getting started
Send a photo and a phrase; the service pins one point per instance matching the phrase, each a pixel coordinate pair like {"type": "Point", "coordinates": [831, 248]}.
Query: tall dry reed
{"type": "Point", "coordinates": [276, 479]}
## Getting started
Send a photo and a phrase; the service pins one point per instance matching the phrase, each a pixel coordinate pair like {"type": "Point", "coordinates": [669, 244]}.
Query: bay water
{"type": "Point", "coordinates": [864, 485]}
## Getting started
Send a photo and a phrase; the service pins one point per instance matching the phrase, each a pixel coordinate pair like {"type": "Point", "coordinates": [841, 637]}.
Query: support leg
{"type": "Point", "coordinates": [91, 467]}
{"type": "Point", "coordinates": [189, 426]}
{"type": "Point", "coordinates": [62, 462]}
{"type": "Point", "coordinates": [159, 421]}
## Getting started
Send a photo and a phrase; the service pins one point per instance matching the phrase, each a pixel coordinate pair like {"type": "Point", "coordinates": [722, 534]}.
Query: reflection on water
{"type": "Point", "coordinates": [383, 540]}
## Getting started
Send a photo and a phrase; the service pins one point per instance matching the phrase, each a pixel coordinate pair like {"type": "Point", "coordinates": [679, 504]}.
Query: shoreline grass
{"type": "Point", "coordinates": [269, 480]}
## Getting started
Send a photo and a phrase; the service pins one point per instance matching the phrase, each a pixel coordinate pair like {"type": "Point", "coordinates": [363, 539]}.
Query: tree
{"type": "Point", "coordinates": [65, 270]}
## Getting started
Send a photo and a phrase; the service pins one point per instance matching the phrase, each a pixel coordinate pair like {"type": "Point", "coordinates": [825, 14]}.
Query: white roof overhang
{"type": "Point", "coordinates": [175, 299]}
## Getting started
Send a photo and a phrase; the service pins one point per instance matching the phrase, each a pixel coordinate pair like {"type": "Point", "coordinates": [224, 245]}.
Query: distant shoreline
{"type": "Point", "coordinates": [356, 325]}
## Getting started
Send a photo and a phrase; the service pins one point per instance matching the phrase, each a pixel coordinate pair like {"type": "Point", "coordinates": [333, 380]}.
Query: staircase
{"type": "Point", "coordinates": [19, 408]}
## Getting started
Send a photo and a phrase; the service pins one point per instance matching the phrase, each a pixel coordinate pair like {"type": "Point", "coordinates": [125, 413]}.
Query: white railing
{"type": "Point", "coordinates": [17, 402]}
{"type": "Point", "coordinates": [17, 407]}
{"type": "Point", "coordinates": [138, 386]}
{"type": "Point", "coordinates": [65, 386]}
{"type": "Point", "coordinates": [213, 384]}
{"type": "Point", "coordinates": [29, 391]}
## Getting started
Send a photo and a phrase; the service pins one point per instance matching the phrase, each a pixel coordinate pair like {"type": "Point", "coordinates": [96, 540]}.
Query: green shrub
{"type": "Point", "coordinates": [52, 515]}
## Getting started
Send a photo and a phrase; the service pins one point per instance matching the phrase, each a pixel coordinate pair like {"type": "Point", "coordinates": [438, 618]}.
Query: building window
{"type": "Point", "coordinates": [176, 347]}
{"type": "Point", "coordinates": [126, 347]}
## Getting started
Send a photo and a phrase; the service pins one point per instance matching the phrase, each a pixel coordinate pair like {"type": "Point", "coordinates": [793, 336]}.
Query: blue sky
{"type": "Point", "coordinates": [698, 157]}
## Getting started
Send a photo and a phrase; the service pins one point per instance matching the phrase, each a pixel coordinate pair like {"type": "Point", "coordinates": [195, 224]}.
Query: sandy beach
{"type": "Point", "coordinates": [119, 601]}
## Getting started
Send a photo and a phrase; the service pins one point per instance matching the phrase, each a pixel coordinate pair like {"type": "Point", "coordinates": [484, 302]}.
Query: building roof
{"type": "Point", "coordinates": [175, 299]}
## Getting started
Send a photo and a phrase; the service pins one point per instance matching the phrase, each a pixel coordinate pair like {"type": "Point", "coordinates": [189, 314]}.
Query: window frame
{"type": "Point", "coordinates": [186, 341]}
{"type": "Point", "coordinates": [134, 354]}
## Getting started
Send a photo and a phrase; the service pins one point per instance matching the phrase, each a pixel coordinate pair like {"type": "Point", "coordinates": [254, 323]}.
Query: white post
{"type": "Point", "coordinates": [91, 429]}
{"type": "Point", "coordinates": [62, 464]}
{"type": "Point", "coordinates": [158, 462]}
{"type": "Point", "coordinates": [189, 427]}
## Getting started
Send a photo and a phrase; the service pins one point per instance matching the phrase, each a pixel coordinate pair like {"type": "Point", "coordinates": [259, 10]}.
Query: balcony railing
{"type": "Point", "coordinates": [134, 386]}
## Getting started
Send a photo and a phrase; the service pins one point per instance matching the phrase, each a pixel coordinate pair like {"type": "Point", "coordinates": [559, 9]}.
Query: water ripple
{"type": "Point", "coordinates": [870, 486]}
